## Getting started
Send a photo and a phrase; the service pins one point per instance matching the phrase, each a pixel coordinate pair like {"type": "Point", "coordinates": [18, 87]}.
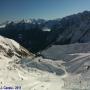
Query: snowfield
{"type": "Point", "coordinates": [65, 67]}
{"type": "Point", "coordinates": [13, 75]}
{"type": "Point", "coordinates": [16, 70]}
{"type": "Point", "coordinates": [76, 61]}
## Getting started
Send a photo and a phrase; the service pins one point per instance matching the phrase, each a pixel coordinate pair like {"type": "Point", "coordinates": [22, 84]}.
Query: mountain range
{"type": "Point", "coordinates": [36, 35]}
{"type": "Point", "coordinates": [46, 54]}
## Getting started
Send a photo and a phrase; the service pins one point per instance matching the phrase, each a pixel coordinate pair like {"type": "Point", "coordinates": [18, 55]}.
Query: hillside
{"type": "Point", "coordinates": [19, 69]}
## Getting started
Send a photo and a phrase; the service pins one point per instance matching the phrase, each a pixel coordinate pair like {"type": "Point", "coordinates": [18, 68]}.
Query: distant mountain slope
{"type": "Point", "coordinates": [32, 33]}
{"type": "Point", "coordinates": [36, 35]}
{"type": "Point", "coordinates": [74, 55]}
{"type": "Point", "coordinates": [72, 29]}
{"type": "Point", "coordinates": [29, 35]}
{"type": "Point", "coordinates": [59, 52]}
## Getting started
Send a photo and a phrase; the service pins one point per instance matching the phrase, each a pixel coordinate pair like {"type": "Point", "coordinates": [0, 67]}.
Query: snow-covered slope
{"type": "Point", "coordinates": [73, 55]}
{"type": "Point", "coordinates": [20, 69]}
{"type": "Point", "coordinates": [12, 74]}
{"type": "Point", "coordinates": [70, 65]}
{"type": "Point", "coordinates": [76, 61]}
{"type": "Point", "coordinates": [67, 68]}
{"type": "Point", "coordinates": [61, 51]}
{"type": "Point", "coordinates": [10, 48]}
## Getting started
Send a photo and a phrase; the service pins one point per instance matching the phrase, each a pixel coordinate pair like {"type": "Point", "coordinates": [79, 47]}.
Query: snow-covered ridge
{"type": "Point", "coordinates": [76, 59]}
{"type": "Point", "coordinates": [11, 48]}
{"type": "Point", "coordinates": [27, 21]}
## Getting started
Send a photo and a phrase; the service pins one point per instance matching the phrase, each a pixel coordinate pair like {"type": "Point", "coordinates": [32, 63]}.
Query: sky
{"type": "Point", "coordinates": [11, 10]}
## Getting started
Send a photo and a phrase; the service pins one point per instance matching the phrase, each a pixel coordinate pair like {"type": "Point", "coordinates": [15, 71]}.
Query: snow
{"type": "Point", "coordinates": [40, 73]}
{"type": "Point", "coordinates": [14, 73]}
{"type": "Point", "coordinates": [46, 29]}
{"type": "Point", "coordinates": [32, 79]}
{"type": "Point", "coordinates": [15, 44]}
{"type": "Point", "coordinates": [2, 26]}
{"type": "Point", "coordinates": [9, 42]}
{"type": "Point", "coordinates": [10, 48]}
